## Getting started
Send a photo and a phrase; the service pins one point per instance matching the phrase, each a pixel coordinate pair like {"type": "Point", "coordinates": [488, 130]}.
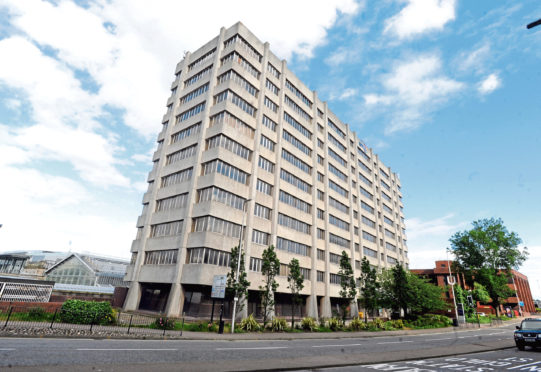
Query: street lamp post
{"type": "Point", "coordinates": [533, 24]}
{"type": "Point", "coordinates": [239, 255]}
{"type": "Point", "coordinates": [451, 280]}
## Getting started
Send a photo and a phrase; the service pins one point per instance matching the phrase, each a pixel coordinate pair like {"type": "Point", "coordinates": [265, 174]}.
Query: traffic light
{"type": "Point", "coordinates": [470, 301]}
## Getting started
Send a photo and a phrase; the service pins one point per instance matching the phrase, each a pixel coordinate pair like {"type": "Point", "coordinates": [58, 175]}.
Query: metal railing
{"type": "Point", "coordinates": [42, 320]}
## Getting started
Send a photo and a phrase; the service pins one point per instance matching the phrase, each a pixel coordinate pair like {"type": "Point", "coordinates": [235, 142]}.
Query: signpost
{"type": "Point", "coordinates": [218, 291]}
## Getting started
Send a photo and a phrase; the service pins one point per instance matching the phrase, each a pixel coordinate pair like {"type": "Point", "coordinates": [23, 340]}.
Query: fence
{"type": "Point", "coordinates": [50, 320]}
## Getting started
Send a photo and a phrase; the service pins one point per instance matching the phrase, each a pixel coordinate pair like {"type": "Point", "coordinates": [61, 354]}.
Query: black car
{"type": "Point", "coordinates": [528, 333]}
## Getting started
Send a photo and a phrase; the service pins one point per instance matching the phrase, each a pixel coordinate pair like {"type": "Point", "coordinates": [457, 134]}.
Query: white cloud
{"type": "Point", "coordinates": [347, 93]}
{"type": "Point", "coordinates": [531, 269]}
{"type": "Point", "coordinates": [489, 84]}
{"type": "Point", "coordinates": [413, 90]}
{"type": "Point", "coordinates": [421, 16]}
{"type": "Point", "coordinates": [474, 60]}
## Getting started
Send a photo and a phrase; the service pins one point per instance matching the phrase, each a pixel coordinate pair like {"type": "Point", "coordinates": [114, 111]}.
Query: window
{"type": "Point", "coordinates": [298, 126]}
{"type": "Point", "coordinates": [320, 177]}
{"type": "Point", "coordinates": [266, 164]}
{"type": "Point", "coordinates": [391, 260]}
{"type": "Point", "coordinates": [267, 143]}
{"type": "Point", "coordinates": [296, 161]}
{"type": "Point", "coordinates": [237, 58]}
{"type": "Point", "coordinates": [357, 264]}
{"type": "Point", "coordinates": [387, 209]}
{"type": "Point", "coordinates": [295, 202]}
{"type": "Point", "coordinates": [218, 166]}
{"type": "Point", "coordinates": [270, 86]}
{"type": "Point", "coordinates": [386, 197]}
{"type": "Point", "coordinates": [260, 237]}
{"type": "Point", "coordinates": [320, 195]}
{"type": "Point", "coordinates": [221, 196]}
{"type": "Point", "coordinates": [174, 202]}
{"type": "Point", "coordinates": [295, 181]}
{"type": "Point", "coordinates": [361, 150]}
{"type": "Point", "coordinates": [338, 189]}
{"type": "Point", "coordinates": [166, 229]}
{"type": "Point", "coordinates": [337, 157]}
{"type": "Point", "coordinates": [368, 222]}
{"type": "Point", "coordinates": [262, 211]}
{"type": "Point", "coordinates": [338, 222]}
{"type": "Point", "coordinates": [166, 257]}
{"type": "Point", "coordinates": [321, 234]}
{"type": "Point", "coordinates": [133, 258]}
{"type": "Point", "coordinates": [369, 237]}
{"type": "Point", "coordinates": [232, 121]}
{"type": "Point", "coordinates": [273, 71]}
{"type": "Point", "coordinates": [320, 160]}
{"type": "Point", "coordinates": [334, 258]}
{"type": "Point", "coordinates": [237, 39]}
{"type": "Point", "coordinates": [199, 61]}
{"type": "Point", "coordinates": [366, 193]}
{"type": "Point", "coordinates": [370, 252]}
{"type": "Point", "coordinates": [320, 214]}
{"type": "Point", "coordinates": [320, 276]}
{"type": "Point", "coordinates": [208, 256]}
{"type": "Point", "coordinates": [191, 112]}
{"type": "Point", "coordinates": [320, 113]}
{"type": "Point", "coordinates": [227, 143]}
{"type": "Point", "coordinates": [320, 144]}
{"type": "Point", "coordinates": [269, 123]}
{"type": "Point", "coordinates": [357, 248]}
{"type": "Point", "coordinates": [255, 264]}
{"type": "Point", "coordinates": [364, 167]}
{"type": "Point", "coordinates": [335, 142]}
{"type": "Point", "coordinates": [295, 142]}
{"type": "Point", "coordinates": [338, 173]}
{"type": "Point", "coordinates": [336, 129]}
{"type": "Point", "coordinates": [365, 180]}
{"type": "Point", "coordinates": [200, 75]}
{"type": "Point", "coordinates": [383, 173]}
{"type": "Point", "coordinates": [385, 186]}
{"type": "Point", "coordinates": [292, 247]}
{"type": "Point", "coordinates": [178, 177]}
{"type": "Point", "coordinates": [270, 104]}
{"type": "Point", "coordinates": [235, 99]}
{"type": "Point", "coordinates": [298, 93]}
{"type": "Point", "coordinates": [181, 154]}
{"type": "Point", "coordinates": [288, 101]}
{"type": "Point", "coordinates": [355, 214]}
{"type": "Point", "coordinates": [367, 207]}
{"type": "Point", "coordinates": [239, 80]}
{"type": "Point", "coordinates": [293, 223]}
{"type": "Point", "coordinates": [194, 93]}
{"type": "Point", "coordinates": [217, 225]}
{"type": "Point", "coordinates": [264, 187]}
{"type": "Point", "coordinates": [335, 239]}
{"type": "Point", "coordinates": [388, 221]}
{"type": "Point", "coordinates": [321, 254]}
{"type": "Point", "coordinates": [390, 247]}
{"type": "Point", "coordinates": [336, 204]}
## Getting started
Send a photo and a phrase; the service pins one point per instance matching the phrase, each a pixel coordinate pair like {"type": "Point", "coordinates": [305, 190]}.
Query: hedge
{"type": "Point", "coordinates": [86, 312]}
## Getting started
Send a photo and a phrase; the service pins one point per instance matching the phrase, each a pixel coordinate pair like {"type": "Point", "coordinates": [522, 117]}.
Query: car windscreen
{"type": "Point", "coordinates": [531, 324]}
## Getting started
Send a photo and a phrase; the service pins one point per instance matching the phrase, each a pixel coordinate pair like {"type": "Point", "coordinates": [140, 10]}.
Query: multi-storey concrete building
{"type": "Point", "coordinates": [241, 128]}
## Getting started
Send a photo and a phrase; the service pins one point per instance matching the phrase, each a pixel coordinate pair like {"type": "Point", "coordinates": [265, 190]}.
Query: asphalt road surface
{"type": "Point", "coordinates": [48, 354]}
{"type": "Point", "coordinates": [501, 360]}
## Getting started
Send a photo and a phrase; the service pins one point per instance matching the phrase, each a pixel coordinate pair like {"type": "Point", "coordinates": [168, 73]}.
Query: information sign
{"type": "Point", "coordinates": [218, 286]}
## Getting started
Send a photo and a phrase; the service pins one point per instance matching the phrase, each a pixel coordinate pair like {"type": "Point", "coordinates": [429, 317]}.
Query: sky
{"type": "Point", "coordinates": [445, 91]}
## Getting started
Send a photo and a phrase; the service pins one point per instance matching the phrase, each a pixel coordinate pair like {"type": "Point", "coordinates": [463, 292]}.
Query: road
{"type": "Point", "coordinates": [197, 355]}
{"type": "Point", "coordinates": [501, 360]}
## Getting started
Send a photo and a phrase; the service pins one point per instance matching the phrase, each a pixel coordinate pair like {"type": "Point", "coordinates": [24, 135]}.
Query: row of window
{"type": "Point", "coordinates": [190, 112]}
{"type": "Point", "coordinates": [265, 164]}
{"type": "Point", "coordinates": [338, 173]}
{"type": "Point", "coordinates": [296, 161]}
{"type": "Point", "coordinates": [293, 223]}
{"type": "Point", "coordinates": [270, 104]}
{"type": "Point", "coordinates": [177, 177]}
{"type": "Point", "coordinates": [336, 129]}
{"type": "Point", "coordinates": [217, 225]}
{"type": "Point", "coordinates": [221, 196]}
{"type": "Point", "coordinates": [235, 99]}
{"type": "Point", "coordinates": [201, 60]}
{"type": "Point", "coordinates": [174, 202]}
{"type": "Point", "coordinates": [336, 204]}
{"type": "Point", "coordinates": [232, 121]}
{"type": "Point", "coordinates": [227, 143]}
{"type": "Point", "coordinates": [273, 70]}
{"type": "Point", "coordinates": [181, 154]}
{"type": "Point", "coordinates": [264, 187]}
{"type": "Point", "coordinates": [269, 123]}
{"type": "Point", "coordinates": [368, 222]}
{"type": "Point", "coordinates": [262, 212]}
{"type": "Point", "coordinates": [267, 143]}
{"type": "Point", "coordinates": [298, 126]}
{"type": "Point", "coordinates": [292, 247]}
{"type": "Point", "coordinates": [295, 142]}
{"type": "Point", "coordinates": [239, 80]}
{"type": "Point", "coordinates": [295, 181]}
{"type": "Point", "coordinates": [245, 45]}
{"type": "Point", "coordinates": [187, 132]}
{"type": "Point", "coordinates": [236, 57]}
{"type": "Point", "coordinates": [339, 189]}
{"type": "Point", "coordinates": [338, 240]}
{"type": "Point", "coordinates": [165, 257]}
{"type": "Point", "coordinates": [218, 166]}
{"type": "Point", "coordinates": [208, 256]}
{"type": "Point", "coordinates": [337, 157]}
{"type": "Point", "coordinates": [337, 143]}
{"type": "Point", "coordinates": [338, 222]}
{"type": "Point", "coordinates": [295, 202]}
{"type": "Point", "coordinates": [270, 86]}
{"type": "Point", "coordinates": [366, 193]}
{"type": "Point", "coordinates": [200, 75]}
{"type": "Point", "coordinates": [298, 93]}
{"type": "Point", "coordinates": [260, 237]}
{"type": "Point", "coordinates": [166, 229]}
{"type": "Point", "coordinates": [194, 93]}
{"type": "Point", "coordinates": [364, 166]}
{"type": "Point", "coordinates": [297, 108]}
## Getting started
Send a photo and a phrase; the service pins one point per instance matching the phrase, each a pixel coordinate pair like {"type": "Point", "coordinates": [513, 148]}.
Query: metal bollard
{"type": "Point", "coordinates": [9, 315]}
{"type": "Point", "coordinates": [54, 316]}
{"type": "Point", "coordinates": [129, 325]}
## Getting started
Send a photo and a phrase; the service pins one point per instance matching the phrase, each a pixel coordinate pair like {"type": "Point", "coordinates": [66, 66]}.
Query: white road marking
{"type": "Point", "coordinates": [439, 339]}
{"type": "Point", "coordinates": [89, 349]}
{"type": "Point", "coordinates": [7, 349]}
{"type": "Point", "coordinates": [525, 365]}
{"type": "Point", "coordinates": [392, 342]}
{"type": "Point", "coordinates": [336, 345]}
{"type": "Point", "coordinates": [252, 348]}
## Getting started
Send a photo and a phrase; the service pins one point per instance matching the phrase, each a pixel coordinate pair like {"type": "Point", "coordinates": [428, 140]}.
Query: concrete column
{"type": "Point", "coordinates": [325, 305]}
{"type": "Point", "coordinates": [311, 306]}
{"type": "Point", "coordinates": [175, 302]}
{"type": "Point", "coordinates": [132, 299]}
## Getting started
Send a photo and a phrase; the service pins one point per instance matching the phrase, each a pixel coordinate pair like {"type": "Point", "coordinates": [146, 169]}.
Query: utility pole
{"type": "Point", "coordinates": [451, 280]}
{"type": "Point", "coordinates": [533, 24]}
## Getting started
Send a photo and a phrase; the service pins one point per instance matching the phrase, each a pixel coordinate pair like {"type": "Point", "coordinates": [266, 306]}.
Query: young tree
{"type": "Point", "coordinates": [296, 284]}
{"type": "Point", "coordinates": [480, 293]}
{"type": "Point", "coordinates": [348, 289]}
{"type": "Point", "coordinates": [238, 288]}
{"type": "Point", "coordinates": [486, 254]}
{"type": "Point", "coordinates": [400, 290]}
{"type": "Point", "coordinates": [424, 297]}
{"type": "Point", "coordinates": [370, 288]}
{"type": "Point", "coordinates": [270, 267]}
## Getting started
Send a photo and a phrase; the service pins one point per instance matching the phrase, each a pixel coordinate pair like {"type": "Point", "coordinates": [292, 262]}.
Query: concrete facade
{"type": "Point", "coordinates": [313, 189]}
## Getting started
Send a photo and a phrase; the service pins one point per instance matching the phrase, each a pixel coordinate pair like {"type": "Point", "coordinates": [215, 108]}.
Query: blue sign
{"type": "Point", "coordinates": [521, 303]}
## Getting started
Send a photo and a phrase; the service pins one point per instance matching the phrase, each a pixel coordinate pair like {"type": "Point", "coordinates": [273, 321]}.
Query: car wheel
{"type": "Point", "coordinates": [520, 347]}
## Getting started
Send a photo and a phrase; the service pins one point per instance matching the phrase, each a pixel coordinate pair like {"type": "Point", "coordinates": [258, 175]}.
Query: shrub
{"type": "Point", "coordinates": [335, 324]}
{"type": "Point", "coordinates": [322, 322]}
{"type": "Point", "coordinates": [36, 313]}
{"type": "Point", "coordinates": [398, 324]}
{"type": "Point", "coordinates": [378, 323]}
{"type": "Point", "coordinates": [309, 324]}
{"type": "Point", "coordinates": [249, 324]}
{"type": "Point", "coordinates": [86, 312]}
{"type": "Point", "coordinates": [357, 324]}
{"type": "Point", "coordinates": [430, 321]}
{"type": "Point", "coordinates": [278, 324]}
{"type": "Point", "coordinates": [163, 323]}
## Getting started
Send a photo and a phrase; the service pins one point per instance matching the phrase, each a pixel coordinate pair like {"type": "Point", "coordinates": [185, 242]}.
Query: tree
{"type": "Point", "coordinates": [270, 267]}
{"type": "Point", "coordinates": [424, 297]}
{"type": "Point", "coordinates": [296, 284]}
{"type": "Point", "coordinates": [486, 254]}
{"type": "Point", "coordinates": [480, 293]}
{"type": "Point", "coordinates": [238, 288]}
{"type": "Point", "coordinates": [370, 287]}
{"type": "Point", "coordinates": [348, 289]}
{"type": "Point", "coordinates": [400, 289]}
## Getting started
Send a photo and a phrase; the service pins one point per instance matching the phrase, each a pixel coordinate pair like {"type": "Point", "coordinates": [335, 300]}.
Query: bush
{"type": "Point", "coordinates": [249, 324]}
{"type": "Point", "coordinates": [398, 324]}
{"type": "Point", "coordinates": [309, 324]}
{"type": "Point", "coordinates": [36, 313]}
{"type": "Point", "coordinates": [357, 324]}
{"type": "Point", "coordinates": [86, 312]}
{"type": "Point", "coordinates": [335, 324]}
{"type": "Point", "coordinates": [163, 323]}
{"type": "Point", "coordinates": [278, 324]}
{"type": "Point", "coordinates": [322, 322]}
{"type": "Point", "coordinates": [430, 321]}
